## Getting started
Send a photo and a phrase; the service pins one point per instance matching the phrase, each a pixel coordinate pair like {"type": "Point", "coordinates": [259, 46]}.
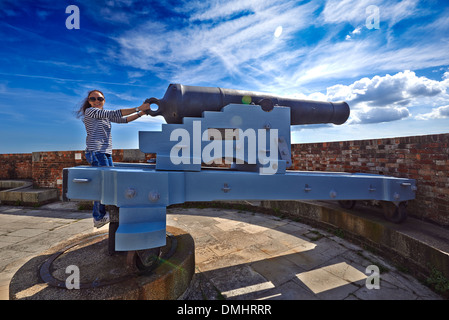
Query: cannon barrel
{"type": "Point", "coordinates": [182, 101]}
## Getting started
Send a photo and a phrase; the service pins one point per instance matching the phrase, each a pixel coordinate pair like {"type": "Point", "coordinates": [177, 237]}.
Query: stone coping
{"type": "Point", "coordinates": [21, 192]}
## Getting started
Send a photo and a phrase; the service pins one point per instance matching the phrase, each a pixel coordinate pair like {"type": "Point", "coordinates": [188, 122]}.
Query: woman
{"type": "Point", "coordinates": [99, 141]}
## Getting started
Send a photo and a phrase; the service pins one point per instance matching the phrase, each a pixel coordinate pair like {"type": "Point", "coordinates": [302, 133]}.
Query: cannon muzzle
{"type": "Point", "coordinates": [182, 101]}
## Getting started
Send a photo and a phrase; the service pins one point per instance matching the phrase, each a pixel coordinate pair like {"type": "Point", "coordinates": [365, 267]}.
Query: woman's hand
{"type": "Point", "coordinates": [144, 107]}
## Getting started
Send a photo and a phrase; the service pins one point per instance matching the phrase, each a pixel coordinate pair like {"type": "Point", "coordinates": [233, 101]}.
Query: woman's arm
{"type": "Point", "coordinates": [135, 116]}
{"type": "Point", "coordinates": [140, 112]}
{"type": "Point", "coordinates": [118, 116]}
{"type": "Point", "coordinates": [128, 111]}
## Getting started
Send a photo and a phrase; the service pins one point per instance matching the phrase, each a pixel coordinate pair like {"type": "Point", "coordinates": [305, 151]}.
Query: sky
{"type": "Point", "coordinates": [387, 59]}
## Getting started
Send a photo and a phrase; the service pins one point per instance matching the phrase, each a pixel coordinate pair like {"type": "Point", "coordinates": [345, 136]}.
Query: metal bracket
{"type": "Point", "coordinates": [226, 188]}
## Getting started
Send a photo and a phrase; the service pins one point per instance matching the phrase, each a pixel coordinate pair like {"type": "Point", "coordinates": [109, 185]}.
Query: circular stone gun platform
{"type": "Point", "coordinates": [83, 268]}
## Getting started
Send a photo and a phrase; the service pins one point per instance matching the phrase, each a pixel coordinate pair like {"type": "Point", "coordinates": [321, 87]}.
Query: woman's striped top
{"type": "Point", "coordinates": [98, 128]}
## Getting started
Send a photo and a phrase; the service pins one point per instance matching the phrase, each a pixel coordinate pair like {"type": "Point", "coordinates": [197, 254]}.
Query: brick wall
{"type": "Point", "coordinates": [47, 167]}
{"type": "Point", "coordinates": [15, 166]}
{"type": "Point", "coordinates": [424, 158]}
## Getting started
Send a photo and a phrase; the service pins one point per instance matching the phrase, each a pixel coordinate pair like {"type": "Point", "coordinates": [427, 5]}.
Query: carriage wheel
{"type": "Point", "coordinates": [347, 204]}
{"type": "Point", "coordinates": [395, 213]}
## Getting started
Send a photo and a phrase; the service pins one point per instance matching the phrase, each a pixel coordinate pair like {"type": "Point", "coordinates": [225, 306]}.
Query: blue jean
{"type": "Point", "coordinates": [99, 159]}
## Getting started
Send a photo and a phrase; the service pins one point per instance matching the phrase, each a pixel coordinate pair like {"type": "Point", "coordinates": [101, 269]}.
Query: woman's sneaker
{"type": "Point", "coordinates": [102, 221]}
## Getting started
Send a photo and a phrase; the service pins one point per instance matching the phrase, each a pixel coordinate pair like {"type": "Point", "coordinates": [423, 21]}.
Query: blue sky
{"type": "Point", "coordinates": [395, 77]}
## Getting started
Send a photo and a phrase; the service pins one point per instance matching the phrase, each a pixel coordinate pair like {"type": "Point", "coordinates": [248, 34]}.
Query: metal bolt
{"type": "Point", "coordinates": [130, 193]}
{"type": "Point", "coordinates": [154, 196]}
{"type": "Point", "coordinates": [333, 194]}
{"type": "Point", "coordinates": [396, 196]}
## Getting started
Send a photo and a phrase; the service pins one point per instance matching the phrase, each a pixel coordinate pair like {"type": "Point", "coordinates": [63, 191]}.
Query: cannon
{"type": "Point", "coordinates": [182, 101]}
{"type": "Point", "coordinates": [250, 111]}
{"type": "Point", "coordinates": [251, 133]}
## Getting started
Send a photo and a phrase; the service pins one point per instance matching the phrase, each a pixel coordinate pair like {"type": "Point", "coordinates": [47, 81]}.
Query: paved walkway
{"type": "Point", "coordinates": [239, 255]}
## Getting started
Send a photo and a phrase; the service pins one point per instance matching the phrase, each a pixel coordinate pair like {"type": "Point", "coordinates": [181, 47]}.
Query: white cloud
{"type": "Point", "coordinates": [436, 113]}
{"type": "Point", "coordinates": [389, 97]}
{"type": "Point", "coordinates": [205, 10]}
{"type": "Point", "coordinates": [378, 115]}
{"type": "Point", "coordinates": [329, 61]}
{"type": "Point", "coordinates": [355, 32]}
{"type": "Point", "coordinates": [214, 49]}
{"type": "Point", "coordinates": [398, 89]}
